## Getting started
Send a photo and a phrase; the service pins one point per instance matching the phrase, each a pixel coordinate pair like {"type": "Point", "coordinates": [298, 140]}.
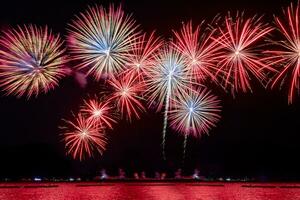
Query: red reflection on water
{"type": "Point", "coordinates": [147, 191]}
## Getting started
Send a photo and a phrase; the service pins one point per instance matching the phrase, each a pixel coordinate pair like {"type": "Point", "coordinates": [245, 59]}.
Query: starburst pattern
{"type": "Point", "coordinates": [127, 95]}
{"type": "Point", "coordinates": [99, 112]}
{"type": "Point", "coordinates": [101, 40]}
{"type": "Point", "coordinates": [195, 113]}
{"type": "Point", "coordinates": [169, 75]}
{"type": "Point", "coordinates": [200, 51]}
{"type": "Point", "coordinates": [142, 56]}
{"type": "Point", "coordinates": [83, 137]}
{"type": "Point", "coordinates": [32, 60]}
{"type": "Point", "coordinates": [241, 58]}
{"type": "Point", "coordinates": [286, 58]}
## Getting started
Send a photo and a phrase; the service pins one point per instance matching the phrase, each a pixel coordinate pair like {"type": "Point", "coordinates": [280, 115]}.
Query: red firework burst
{"type": "Point", "coordinates": [200, 50]}
{"type": "Point", "coordinates": [83, 137]}
{"type": "Point", "coordinates": [127, 94]}
{"type": "Point", "coordinates": [99, 112]}
{"type": "Point", "coordinates": [287, 57]}
{"type": "Point", "coordinates": [241, 58]}
{"type": "Point", "coordinates": [142, 56]}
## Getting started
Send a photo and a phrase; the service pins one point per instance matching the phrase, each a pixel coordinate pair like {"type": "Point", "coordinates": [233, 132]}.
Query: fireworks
{"type": "Point", "coordinates": [241, 58]}
{"type": "Point", "coordinates": [99, 112]}
{"type": "Point", "coordinates": [167, 78]}
{"type": "Point", "coordinates": [126, 93]}
{"type": "Point", "coordinates": [142, 56]}
{"type": "Point", "coordinates": [199, 49]}
{"type": "Point", "coordinates": [194, 113]}
{"type": "Point", "coordinates": [288, 57]}
{"type": "Point", "coordinates": [169, 75]}
{"type": "Point", "coordinates": [101, 40]}
{"type": "Point", "coordinates": [31, 61]}
{"type": "Point", "coordinates": [107, 44]}
{"type": "Point", "coordinates": [83, 137]}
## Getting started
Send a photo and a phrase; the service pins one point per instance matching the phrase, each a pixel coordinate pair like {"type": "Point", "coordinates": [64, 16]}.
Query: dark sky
{"type": "Point", "coordinates": [258, 134]}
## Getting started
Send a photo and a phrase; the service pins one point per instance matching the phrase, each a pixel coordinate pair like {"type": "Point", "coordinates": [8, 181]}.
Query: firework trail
{"type": "Point", "coordinates": [194, 113]}
{"type": "Point", "coordinates": [142, 56]}
{"type": "Point", "coordinates": [31, 60]}
{"type": "Point", "coordinates": [200, 50]}
{"type": "Point", "coordinates": [101, 40]}
{"type": "Point", "coordinates": [127, 95]}
{"type": "Point", "coordinates": [83, 137]}
{"type": "Point", "coordinates": [287, 58]}
{"type": "Point", "coordinates": [168, 77]}
{"type": "Point", "coordinates": [99, 112]}
{"type": "Point", "coordinates": [241, 58]}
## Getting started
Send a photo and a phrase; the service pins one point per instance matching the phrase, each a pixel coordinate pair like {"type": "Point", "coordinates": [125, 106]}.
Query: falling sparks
{"type": "Point", "coordinates": [166, 78]}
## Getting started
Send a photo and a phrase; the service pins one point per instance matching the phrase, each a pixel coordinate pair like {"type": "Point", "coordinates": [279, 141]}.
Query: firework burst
{"type": "Point", "coordinates": [168, 77]}
{"type": "Point", "coordinates": [99, 112]}
{"type": "Point", "coordinates": [83, 137]}
{"type": "Point", "coordinates": [199, 49]}
{"type": "Point", "coordinates": [240, 59]}
{"type": "Point", "coordinates": [101, 40]}
{"type": "Point", "coordinates": [194, 113]}
{"type": "Point", "coordinates": [287, 59]}
{"type": "Point", "coordinates": [127, 95]}
{"type": "Point", "coordinates": [142, 56]}
{"type": "Point", "coordinates": [32, 60]}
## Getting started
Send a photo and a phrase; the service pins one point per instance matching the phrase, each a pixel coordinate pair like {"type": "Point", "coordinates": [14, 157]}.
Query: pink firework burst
{"type": "Point", "coordinates": [241, 58]}
{"type": "Point", "coordinates": [142, 56]}
{"type": "Point", "coordinates": [32, 60]}
{"type": "Point", "coordinates": [127, 95]}
{"type": "Point", "coordinates": [200, 50]}
{"type": "Point", "coordinates": [99, 112]}
{"type": "Point", "coordinates": [101, 40]}
{"type": "Point", "coordinates": [195, 112]}
{"type": "Point", "coordinates": [83, 137]}
{"type": "Point", "coordinates": [286, 58]}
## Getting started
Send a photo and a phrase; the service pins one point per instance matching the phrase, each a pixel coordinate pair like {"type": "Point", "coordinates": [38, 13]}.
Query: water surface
{"type": "Point", "coordinates": [149, 191]}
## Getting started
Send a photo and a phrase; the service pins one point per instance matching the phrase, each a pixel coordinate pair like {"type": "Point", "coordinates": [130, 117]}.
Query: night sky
{"type": "Point", "coordinates": [258, 135]}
